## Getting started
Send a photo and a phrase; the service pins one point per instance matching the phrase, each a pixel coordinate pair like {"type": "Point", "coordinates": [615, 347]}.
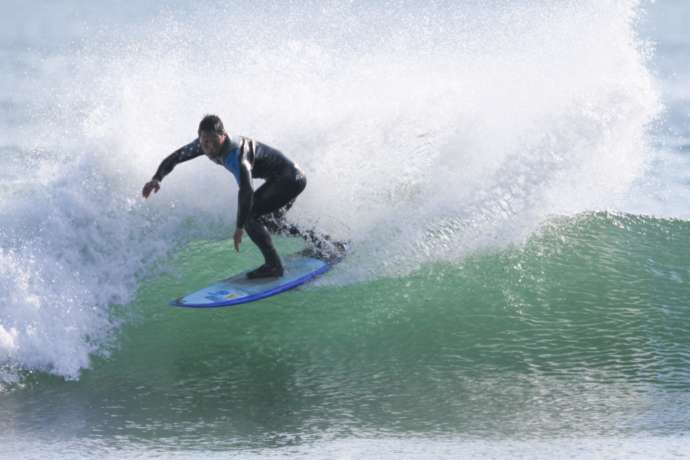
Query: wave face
{"type": "Point", "coordinates": [428, 135]}
{"type": "Point", "coordinates": [581, 332]}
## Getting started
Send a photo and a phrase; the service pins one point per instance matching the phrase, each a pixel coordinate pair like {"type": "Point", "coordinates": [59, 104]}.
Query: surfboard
{"type": "Point", "coordinates": [236, 290]}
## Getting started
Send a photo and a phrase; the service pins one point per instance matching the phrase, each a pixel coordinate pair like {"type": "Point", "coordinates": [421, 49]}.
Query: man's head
{"type": "Point", "coordinates": [211, 135]}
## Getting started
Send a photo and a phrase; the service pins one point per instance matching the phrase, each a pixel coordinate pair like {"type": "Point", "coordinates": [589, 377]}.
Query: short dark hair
{"type": "Point", "coordinates": [212, 124]}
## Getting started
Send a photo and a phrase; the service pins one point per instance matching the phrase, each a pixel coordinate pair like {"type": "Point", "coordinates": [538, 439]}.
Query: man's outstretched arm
{"type": "Point", "coordinates": [185, 153]}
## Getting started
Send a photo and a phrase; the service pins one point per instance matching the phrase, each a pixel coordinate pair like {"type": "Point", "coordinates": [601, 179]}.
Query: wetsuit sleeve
{"type": "Point", "coordinates": [245, 196]}
{"type": "Point", "coordinates": [185, 153]}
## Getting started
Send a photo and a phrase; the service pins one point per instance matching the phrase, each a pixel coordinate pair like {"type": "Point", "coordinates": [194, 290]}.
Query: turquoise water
{"type": "Point", "coordinates": [581, 332]}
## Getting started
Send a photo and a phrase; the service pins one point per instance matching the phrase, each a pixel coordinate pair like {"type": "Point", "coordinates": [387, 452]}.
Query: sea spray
{"type": "Point", "coordinates": [427, 133]}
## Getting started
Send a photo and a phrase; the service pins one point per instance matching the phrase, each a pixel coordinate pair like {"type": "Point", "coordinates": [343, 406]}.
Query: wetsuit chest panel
{"type": "Point", "coordinates": [232, 163]}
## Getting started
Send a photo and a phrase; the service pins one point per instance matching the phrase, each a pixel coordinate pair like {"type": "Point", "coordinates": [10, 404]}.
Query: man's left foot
{"type": "Point", "coordinates": [266, 271]}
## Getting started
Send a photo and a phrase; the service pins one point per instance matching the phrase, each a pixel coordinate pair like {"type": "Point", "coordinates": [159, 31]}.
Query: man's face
{"type": "Point", "coordinates": [211, 143]}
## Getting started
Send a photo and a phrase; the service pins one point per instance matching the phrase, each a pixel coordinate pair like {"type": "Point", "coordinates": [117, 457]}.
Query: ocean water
{"type": "Point", "coordinates": [513, 178]}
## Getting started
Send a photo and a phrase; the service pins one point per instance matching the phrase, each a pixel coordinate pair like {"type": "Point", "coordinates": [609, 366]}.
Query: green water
{"type": "Point", "coordinates": [583, 330]}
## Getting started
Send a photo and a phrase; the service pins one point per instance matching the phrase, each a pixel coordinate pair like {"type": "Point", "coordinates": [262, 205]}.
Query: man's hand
{"type": "Point", "coordinates": [150, 186]}
{"type": "Point", "coordinates": [238, 238]}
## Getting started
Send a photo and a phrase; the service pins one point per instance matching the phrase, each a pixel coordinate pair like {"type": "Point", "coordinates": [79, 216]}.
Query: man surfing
{"type": "Point", "coordinates": [256, 209]}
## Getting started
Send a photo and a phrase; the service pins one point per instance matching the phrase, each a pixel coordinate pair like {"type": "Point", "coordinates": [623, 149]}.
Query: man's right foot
{"type": "Point", "coordinates": [329, 251]}
{"type": "Point", "coordinates": [266, 271]}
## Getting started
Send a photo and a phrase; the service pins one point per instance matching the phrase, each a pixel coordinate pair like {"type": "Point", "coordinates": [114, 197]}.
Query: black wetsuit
{"type": "Point", "coordinates": [257, 209]}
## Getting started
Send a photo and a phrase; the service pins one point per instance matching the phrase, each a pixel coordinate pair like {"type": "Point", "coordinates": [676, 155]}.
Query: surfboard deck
{"type": "Point", "coordinates": [236, 290]}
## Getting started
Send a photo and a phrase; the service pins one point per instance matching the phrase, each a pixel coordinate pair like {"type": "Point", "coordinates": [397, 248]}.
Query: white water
{"type": "Point", "coordinates": [426, 134]}
{"type": "Point", "coordinates": [345, 449]}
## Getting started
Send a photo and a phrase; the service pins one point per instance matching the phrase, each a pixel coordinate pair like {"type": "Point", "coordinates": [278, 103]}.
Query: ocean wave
{"type": "Point", "coordinates": [426, 138]}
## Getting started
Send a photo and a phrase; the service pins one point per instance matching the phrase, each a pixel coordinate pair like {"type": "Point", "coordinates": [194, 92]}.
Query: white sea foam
{"type": "Point", "coordinates": [426, 133]}
{"type": "Point", "coordinates": [640, 447]}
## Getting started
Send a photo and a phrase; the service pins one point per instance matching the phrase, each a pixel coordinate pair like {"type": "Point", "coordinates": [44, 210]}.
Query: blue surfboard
{"type": "Point", "coordinates": [298, 269]}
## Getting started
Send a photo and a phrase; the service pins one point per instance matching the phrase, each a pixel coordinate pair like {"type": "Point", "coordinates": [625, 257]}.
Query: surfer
{"type": "Point", "coordinates": [258, 211]}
